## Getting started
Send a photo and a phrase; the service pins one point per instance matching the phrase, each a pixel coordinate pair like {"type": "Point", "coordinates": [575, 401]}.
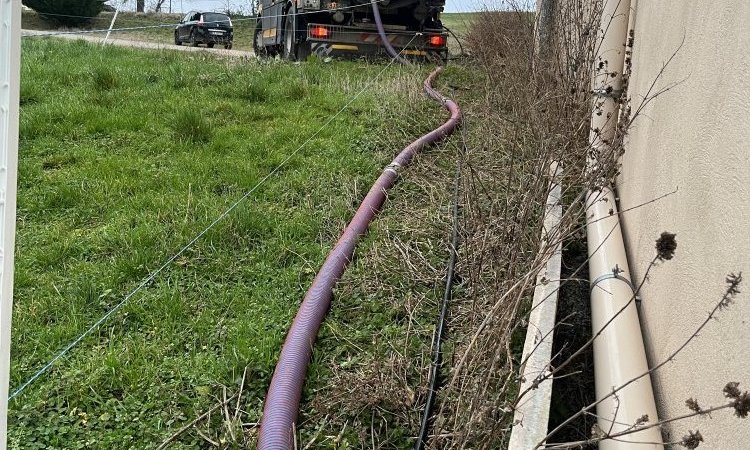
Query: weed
{"type": "Point", "coordinates": [56, 161]}
{"type": "Point", "coordinates": [253, 92]}
{"type": "Point", "coordinates": [151, 77]}
{"type": "Point", "coordinates": [105, 79]}
{"type": "Point", "coordinates": [191, 126]}
{"type": "Point", "coordinates": [29, 94]}
{"type": "Point", "coordinates": [295, 91]}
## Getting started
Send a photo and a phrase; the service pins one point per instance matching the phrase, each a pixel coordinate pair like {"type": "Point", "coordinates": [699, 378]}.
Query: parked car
{"type": "Point", "coordinates": [208, 28]}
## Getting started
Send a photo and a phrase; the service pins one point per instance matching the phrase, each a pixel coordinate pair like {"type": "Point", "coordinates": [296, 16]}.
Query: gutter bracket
{"type": "Point", "coordinates": [610, 276]}
{"type": "Point", "coordinates": [607, 92]}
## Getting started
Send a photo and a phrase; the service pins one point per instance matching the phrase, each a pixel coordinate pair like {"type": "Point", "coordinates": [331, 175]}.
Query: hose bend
{"type": "Point", "coordinates": [284, 394]}
{"type": "Point", "coordinates": [381, 31]}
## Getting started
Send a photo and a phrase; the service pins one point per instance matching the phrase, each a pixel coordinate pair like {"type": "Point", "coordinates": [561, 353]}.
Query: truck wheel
{"type": "Point", "coordinates": [303, 50]}
{"type": "Point", "coordinates": [292, 50]}
{"type": "Point", "coordinates": [258, 47]}
{"type": "Point", "coordinates": [193, 41]}
{"type": "Point", "coordinates": [177, 40]}
{"type": "Point", "coordinates": [289, 49]}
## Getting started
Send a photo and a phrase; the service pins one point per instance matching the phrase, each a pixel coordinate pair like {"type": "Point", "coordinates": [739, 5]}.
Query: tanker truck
{"type": "Point", "coordinates": [295, 29]}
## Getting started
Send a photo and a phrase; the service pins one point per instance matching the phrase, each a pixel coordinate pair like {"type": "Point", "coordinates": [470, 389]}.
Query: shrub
{"type": "Point", "coordinates": [66, 12]}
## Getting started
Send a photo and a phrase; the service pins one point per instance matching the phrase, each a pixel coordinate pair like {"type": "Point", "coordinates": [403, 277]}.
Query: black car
{"type": "Point", "coordinates": [208, 28]}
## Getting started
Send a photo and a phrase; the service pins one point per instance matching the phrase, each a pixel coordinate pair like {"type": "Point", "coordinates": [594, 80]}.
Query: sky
{"type": "Point", "coordinates": [244, 5]}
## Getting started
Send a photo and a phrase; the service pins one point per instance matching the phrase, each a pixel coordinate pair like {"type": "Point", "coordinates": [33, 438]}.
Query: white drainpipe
{"type": "Point", "coordinates": [619, 354]}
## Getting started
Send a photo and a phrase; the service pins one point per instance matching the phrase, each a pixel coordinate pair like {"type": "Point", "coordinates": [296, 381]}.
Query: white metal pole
{"type": "Point", "coordinates": [10, 74]}
{"type": "Point", "coordinates": [112, 24]}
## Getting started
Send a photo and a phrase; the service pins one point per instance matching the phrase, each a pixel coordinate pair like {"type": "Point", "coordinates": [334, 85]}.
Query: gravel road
{"type": "Point", "coordinates": [141, 44]}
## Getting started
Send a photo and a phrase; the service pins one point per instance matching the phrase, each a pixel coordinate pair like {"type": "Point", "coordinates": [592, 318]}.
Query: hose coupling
{"type": "Point", "coordinates": [393, 167]}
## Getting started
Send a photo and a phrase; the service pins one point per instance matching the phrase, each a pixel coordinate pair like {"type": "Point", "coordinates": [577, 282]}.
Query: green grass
{"type": "Point", "coordinates": [124, 156]}
{"type": "Point", "coordinates": [459, 23]}
{"type": "Point", "coordinates": [243, 27]}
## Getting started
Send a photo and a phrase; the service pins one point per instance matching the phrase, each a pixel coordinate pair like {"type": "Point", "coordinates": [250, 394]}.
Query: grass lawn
{"type": "Point", "coordinates": [243, 27]}
{"type": "Point", "coordinates": [125, 156]}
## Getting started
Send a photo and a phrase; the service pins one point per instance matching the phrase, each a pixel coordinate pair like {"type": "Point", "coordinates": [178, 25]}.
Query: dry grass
{"type": "Point", "coordinates": [535, 111]}
{"type": "Point", "coordinates": [375, 343]}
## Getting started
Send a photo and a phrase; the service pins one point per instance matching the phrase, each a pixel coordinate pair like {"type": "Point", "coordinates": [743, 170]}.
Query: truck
{"type": "Point", "coordinates": [295, 29]}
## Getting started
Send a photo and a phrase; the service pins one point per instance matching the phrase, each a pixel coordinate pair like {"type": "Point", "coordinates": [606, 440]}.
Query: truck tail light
{"type": "Point", "coordinates": [319, 32]}
{"type": "Point", "coordinates": [437, 41]}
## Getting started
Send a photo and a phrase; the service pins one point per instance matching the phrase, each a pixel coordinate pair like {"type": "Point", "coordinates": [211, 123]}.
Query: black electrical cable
{"type": "Point", "coordinates": [440, 326]}
{"type": "Point", "coordinates": [460, 45]}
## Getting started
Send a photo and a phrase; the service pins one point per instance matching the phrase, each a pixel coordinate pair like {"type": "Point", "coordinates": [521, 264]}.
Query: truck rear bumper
{"type": "Point", "coordinates": [333, 40]}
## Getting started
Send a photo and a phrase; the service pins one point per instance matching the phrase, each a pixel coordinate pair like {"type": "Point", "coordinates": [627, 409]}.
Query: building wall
{"type": "Point", "coordinates": [695, 139]}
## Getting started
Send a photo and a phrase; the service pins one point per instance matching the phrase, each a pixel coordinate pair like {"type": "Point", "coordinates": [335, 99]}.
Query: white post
{"type": "Point", "coordinates": [112, 24]}
{"type": "Point", "coordinates": [10, 74]}
{"type": "Point", "coordinates": [531, 418]}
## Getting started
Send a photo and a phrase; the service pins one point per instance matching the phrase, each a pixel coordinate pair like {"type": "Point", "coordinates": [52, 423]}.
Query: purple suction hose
{"type": "Point", "coordinates": [381, 31]}
{"type": "Point", "coordinates": [283, 398]}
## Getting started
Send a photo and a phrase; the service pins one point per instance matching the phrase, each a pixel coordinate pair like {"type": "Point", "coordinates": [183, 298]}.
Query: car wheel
{"type": "Point", "coordinates": [258, 47]}
{"type": "Point", "coordinates": [210, 45]}
{"type": "Point", "coordinates": [177, 40]}
{"type": "Point", "coordinates": [193, 41]}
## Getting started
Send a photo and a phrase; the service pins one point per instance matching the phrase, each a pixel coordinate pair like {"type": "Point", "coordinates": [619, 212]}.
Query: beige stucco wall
{"type": "Point", "coordinates": [694, 138]}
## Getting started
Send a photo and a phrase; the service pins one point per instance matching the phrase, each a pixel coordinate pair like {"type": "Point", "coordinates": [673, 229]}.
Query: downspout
{"type": "Point", "coordinates": [619, 354]}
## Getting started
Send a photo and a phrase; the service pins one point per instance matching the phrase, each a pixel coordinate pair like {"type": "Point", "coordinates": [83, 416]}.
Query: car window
{"type": "Point", "coordinates": [186, 18]}
{"type": "Point", "coordinates": [196, 17]}
{"type": "Point", "coordinates": [215, 17]}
